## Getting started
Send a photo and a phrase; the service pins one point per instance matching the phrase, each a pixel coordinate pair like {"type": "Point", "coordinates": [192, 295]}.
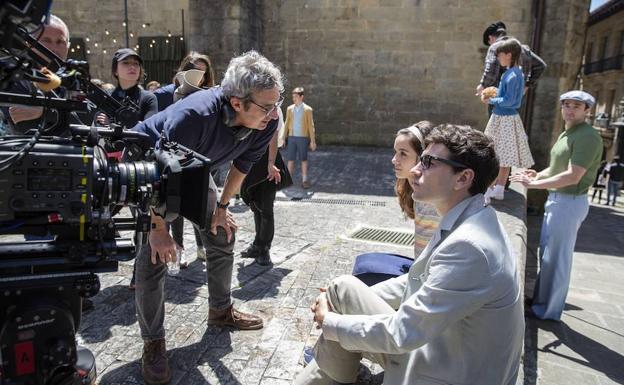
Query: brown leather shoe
{"type": "Point", "coordinates": [234, 318]}
{"type": "Point", "coordinates": [154, 363]}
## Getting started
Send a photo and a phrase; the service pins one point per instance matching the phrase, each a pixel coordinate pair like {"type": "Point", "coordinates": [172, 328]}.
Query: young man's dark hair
{"type": "Point", "coordinates": [471, 148]}
{"type": "Point", "coordinates": [299, 91]}
{"type": "Point", "coordinates": [511, 46]}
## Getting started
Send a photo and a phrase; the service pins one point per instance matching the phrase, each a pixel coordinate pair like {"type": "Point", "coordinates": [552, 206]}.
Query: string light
{"type": "Point", "coordinates": [87, 39]}
{"type": "Point", "coordinates": [131, 34]}
{"type": "Point", "coordinates": [167, 41]}
{"type": "Point", "coordinates": [181, 38]}
{"type": "Point", "coordinates": [168, 33]}
{"type": "Point", "coordinates": [153, 41]}
{"type": "Point", "coordinates": [88, 52]}
{"type": "Point", "coordinates": [114, 40]}
{"type": "Point", "coordinates": [73, 50]}
{"type": "Point", "coordinates": [104, 51]}
{"type": "Point", "coordinates": [151, 46]}
{"type": "Point", "coordinates": [144, 25]}
{"type": "Point", "coordinates": [123, 24]}
{"type": "Point", "coordinates": [106, 31]}
{"type": "Point", "coordinates": [78, 47]}
{"type": "Point", "coordinates": [95, 44]}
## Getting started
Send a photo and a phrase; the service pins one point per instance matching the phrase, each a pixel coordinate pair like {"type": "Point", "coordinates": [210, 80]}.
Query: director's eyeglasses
{"type": "Point", "coordinates": [269, 110]}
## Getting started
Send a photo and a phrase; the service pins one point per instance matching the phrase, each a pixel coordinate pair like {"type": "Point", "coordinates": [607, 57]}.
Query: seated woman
{"type": "Point", "coordinates": [373, 268]}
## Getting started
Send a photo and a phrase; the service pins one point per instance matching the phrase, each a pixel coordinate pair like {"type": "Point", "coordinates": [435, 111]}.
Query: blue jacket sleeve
{"type": "Point", "coordinates": [512, 92]}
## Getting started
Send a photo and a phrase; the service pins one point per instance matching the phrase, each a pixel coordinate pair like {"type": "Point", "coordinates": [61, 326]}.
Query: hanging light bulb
{"type": "Point", "coordinates": [168, 33]}
{"type": "Point", "coordinates": [114, 40]}
{"type": "Point", "coordinates": [104, 51]}
{"type": "Point", "coordinates": [123, 24]}
{"type": "Point", "coordinates": [73, 50]}
{"type": "Point", "coordinates": [87, 38]}
{"type": "Point", "coordinates": [166, 41]}
{"type": "Point", "coordinates": [153, 41]}
{"type": "Point", "coordinates": [143, 25]}
{"type": "Point", "coordinates": [131, 34]}
{"type": "Point", "coordinates": [181, 38]}
{"type": "Point", "coordinates": [95, 44]}
{"type": "Point", "coordinates": [136, 46]}
{"type": "Point", "coordinates": [88, 52]}
{"type": "Point", "coordinates": [77, 47]}
{"type": "Point", "coordinates": [106, 31]}
{"type": "Point", "coordinates": [151, 46]}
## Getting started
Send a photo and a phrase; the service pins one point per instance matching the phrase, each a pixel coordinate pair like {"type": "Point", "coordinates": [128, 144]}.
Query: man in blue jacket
{"type": "Point", "coordinates": [234, 122]}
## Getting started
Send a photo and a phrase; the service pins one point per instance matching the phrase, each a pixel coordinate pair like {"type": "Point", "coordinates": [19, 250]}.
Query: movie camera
{"type": "Point", "coordinates": [61, 182]}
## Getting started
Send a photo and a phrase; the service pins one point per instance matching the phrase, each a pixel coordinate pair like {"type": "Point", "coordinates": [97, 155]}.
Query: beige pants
{"type": "Point", "coordinates": [347, 295]}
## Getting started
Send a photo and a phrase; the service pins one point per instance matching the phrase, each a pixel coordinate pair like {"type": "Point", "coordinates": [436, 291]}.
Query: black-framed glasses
{"type": "Point", "coordinates": [426, 159]}
{"type": "Point", "coordinates": [269, 110]}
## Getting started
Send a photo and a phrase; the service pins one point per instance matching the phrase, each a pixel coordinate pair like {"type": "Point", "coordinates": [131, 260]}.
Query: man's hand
{"type": "Point", "coordinates": [274, 174]}
{"type": "Point", "coordinates": [525, 177]}
{"type": "Point", "coordinates": [102, 119]}
{"type": "Point", "coordinates": [479, 89]}
{"type": "Point", "coordinates": [162, 245]}
{"type": "Point", "coordinates": [312, 146]}
{"type": "Point", "coordinates": [23, 113]}
{"type": "Point", "coordinates": [320, 308]}
{"type": "Point", "coordinates": [223, 218]}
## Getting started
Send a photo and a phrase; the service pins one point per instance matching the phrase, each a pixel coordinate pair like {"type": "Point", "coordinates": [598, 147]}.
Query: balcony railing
{"type": "Point", "coordinates": [611, 63]}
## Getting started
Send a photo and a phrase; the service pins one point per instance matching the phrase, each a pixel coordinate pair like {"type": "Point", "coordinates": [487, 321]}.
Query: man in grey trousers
{"type": "Point", "coordinates": [233, 122]}
{"type": "Point", "coordinates": [456, 317]}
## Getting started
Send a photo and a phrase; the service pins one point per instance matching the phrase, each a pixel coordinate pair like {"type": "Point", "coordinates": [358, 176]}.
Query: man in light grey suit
{"type": "Point", "coordinates": [456, 317]}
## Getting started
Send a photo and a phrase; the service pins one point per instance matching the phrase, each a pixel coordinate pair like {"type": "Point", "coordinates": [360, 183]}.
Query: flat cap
{"type": "Point", "coordinates": [580, 96]}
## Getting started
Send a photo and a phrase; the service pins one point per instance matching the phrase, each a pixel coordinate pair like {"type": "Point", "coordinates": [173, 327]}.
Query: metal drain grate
{"type": "Point", "coordinates": [395, 237]}
{"type": "Point", "coordinates": [349, 202]}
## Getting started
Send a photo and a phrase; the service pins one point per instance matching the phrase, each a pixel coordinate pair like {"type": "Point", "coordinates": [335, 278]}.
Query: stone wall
{"type": "Point", "coordinates": [372, 67]}
{"type": "Point", "coordinates": [91, 18]}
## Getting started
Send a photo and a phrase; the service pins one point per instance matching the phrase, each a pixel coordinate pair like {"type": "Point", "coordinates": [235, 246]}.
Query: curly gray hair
{"type": "Point", "coordinates": [251, 72]}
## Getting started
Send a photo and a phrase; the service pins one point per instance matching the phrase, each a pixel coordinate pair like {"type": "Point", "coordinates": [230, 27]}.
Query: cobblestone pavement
{"type": "Point", "coordinates": [352, 187]}
{"type": "Point", "coordinates": [587, 346]}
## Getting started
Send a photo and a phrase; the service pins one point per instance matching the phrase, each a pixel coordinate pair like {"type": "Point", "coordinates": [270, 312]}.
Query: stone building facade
{"type": "Point", "coordinates": [371, 67]}
{"type": "Point", "coordinates": [603, 73]}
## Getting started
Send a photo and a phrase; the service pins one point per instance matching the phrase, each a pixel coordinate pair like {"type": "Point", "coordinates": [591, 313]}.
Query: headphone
{"type": "Point", "coordinates": [240, 132]}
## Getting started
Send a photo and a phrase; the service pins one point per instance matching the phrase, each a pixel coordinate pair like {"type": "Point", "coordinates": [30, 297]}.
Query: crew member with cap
{"type": "Point", "coordinates": [127, 68]}
{"type": "Point", "coordinates": [574, 160]}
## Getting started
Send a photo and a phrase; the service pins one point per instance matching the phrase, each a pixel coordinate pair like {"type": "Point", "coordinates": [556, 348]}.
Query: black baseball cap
{"type": "Point", "coordinates": [491, 30]}
{"type": "Point", "coordinates": [124, 53]}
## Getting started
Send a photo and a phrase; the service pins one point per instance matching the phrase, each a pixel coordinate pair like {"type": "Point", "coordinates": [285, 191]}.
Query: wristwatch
{"type": "Point", "coordinates": [223, 206]}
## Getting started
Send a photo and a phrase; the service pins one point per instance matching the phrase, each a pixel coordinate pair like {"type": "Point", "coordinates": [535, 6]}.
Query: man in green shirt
{"type": "Point", "coordinates": [574, 160]}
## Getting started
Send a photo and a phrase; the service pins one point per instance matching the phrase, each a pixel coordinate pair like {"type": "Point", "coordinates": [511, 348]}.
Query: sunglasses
{"type": "Point", "coordinates": [426, 159]}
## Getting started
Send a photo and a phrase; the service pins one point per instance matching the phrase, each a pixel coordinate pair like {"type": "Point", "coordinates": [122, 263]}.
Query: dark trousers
{"type": "Point", "coordinates": [261, 201]}
{"type": "Point", "coordinates": [177, 232]}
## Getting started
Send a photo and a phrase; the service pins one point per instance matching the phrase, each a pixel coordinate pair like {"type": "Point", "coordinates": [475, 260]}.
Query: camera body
{"type": "Point", "coordinates": [70, 190]}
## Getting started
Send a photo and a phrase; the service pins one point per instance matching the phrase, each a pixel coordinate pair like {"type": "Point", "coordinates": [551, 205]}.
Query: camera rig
{"type": "Point", "coordinates": [70, 189]}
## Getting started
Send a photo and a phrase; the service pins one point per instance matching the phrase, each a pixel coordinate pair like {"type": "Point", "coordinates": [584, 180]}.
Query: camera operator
{"type": "Point", "coordinates": [127, 68]}
{"type": "Point", "coordinates": [234, 122]}
{"type": "Point", "coordinates": [55, 37]}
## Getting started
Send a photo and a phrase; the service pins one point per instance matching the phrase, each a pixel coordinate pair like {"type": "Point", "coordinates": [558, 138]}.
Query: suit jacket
{"type": "Point", "coordinates": [308, 122]}
{"type": "Point", "coordinates": [459, 317]}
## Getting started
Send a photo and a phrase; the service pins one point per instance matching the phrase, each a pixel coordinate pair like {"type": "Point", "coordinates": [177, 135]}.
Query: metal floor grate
{"type": "Point", "coordinates": [395, 237]}
{"type": "Point", "coordinates": [350, 202]}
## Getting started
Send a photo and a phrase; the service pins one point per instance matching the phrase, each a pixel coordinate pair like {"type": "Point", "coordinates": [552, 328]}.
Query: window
{"type": "Point", "coordinates": [605, 45]}
{"type": "Point", "coordinates": [589, 53]}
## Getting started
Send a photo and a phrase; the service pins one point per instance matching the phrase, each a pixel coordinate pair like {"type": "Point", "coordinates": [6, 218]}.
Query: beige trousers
{"type": "Point", "coordinates": [347, 295]}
